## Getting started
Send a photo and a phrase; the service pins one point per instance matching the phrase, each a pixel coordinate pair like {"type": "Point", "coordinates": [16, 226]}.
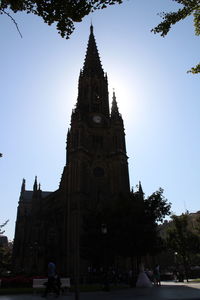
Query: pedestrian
{"type": "Point", "coordinates": [51, 285]}
{"type": "Point", "coordinates": [156, 275]}
{"type": "Point", "coordinates": [143, 280]}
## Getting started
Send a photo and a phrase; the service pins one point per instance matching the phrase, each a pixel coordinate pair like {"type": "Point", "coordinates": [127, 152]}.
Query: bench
{"type": "Point", "coordinates": [40, 283]}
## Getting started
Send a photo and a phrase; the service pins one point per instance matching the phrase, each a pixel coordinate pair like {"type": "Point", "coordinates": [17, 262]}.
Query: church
{"type": "Point", "coordinates": [49, 225]}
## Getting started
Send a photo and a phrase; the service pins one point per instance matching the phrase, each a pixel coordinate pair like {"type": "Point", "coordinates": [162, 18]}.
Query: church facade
{"type": "Point", "coordinates": [49, 224]}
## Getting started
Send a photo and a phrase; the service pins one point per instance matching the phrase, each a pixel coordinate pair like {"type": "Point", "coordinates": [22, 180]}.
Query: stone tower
{"type": "Point", "coordinates": [96, 172]}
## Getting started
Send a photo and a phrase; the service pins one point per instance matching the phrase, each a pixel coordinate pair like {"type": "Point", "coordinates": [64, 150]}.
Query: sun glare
{"type": "Point", "coordinates": [127, 95]}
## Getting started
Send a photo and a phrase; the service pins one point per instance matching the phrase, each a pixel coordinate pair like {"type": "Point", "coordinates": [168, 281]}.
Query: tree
{"type": "Point", "coordinates": [132, 228]}
{"type": "Point", "coordinates": [63, 13]}
{"type": "Point", "coordinates": [6, 258]}
{"type": "Point", "coordinates": [183, 240]}
{"type": "Point", "coordinates": [189, 7]}
{"type": "Point", "coordinates": [3, 225]}
{"type": "Point", "coordinates": [5, 252]}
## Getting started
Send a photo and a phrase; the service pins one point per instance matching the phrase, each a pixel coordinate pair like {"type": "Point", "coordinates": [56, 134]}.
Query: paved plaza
{"type": "Point", "coordinates": [168, 291]}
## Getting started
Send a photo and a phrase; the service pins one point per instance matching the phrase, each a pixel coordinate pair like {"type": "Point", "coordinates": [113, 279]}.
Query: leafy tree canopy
{"type": "Point", "coordinates": [183, 239]}
{"type": "Point", "coordinates": [2, 225]}
{"type": "Point", "coordinates": [6, 258]}
{"type": "Point", "coordinates": [131, 223]}
{"type": "Point", "coordinates": [157, 206]}
{"type": "Point", "coordinates": [189, 7]}
{"type": "Point", "coordinates": [63, 13]}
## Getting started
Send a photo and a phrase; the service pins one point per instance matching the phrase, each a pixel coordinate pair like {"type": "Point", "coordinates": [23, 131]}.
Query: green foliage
{"type": "Point", "coordinates": [5, 258]}
{"type": "Point", "coordinates": [157, 206]}
{"type": "Point", "coordinates": [132, 228]}
{"type": "Point", "coordinates": [189, 7]}
{"type": "Point", "coordinates": [171, 18]}
{"type": "Point", "coordinates": [63, 13]}
{"type": "Point", "coordinates": [3, 225]}
{"type": "Point", "coordinates": [195, 70]}
{"type": "Point", "coordinates": [183, 239]}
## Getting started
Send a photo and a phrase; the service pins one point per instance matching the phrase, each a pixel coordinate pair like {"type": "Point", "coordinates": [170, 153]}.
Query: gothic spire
{"type": "Point", "coordinates": [140, 190]}
{"type": "Point", "coordinates": [35, 184]}
{"type": "Point", "coordinates": [92, 64]}
{"type": "Point", "coordinates": [114, 108]}
{"type": "Point", "coordinates": [23, 187]}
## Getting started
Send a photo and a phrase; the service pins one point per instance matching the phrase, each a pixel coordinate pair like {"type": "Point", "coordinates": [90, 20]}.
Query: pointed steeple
{"type": "Point", "coordinates": [92, 64]}
{"type": "Point", "coordinates": [23, 187]}
{"type": "Point", "coordinates": [93, 84]}
{"type": "Point", "coordinates": [35, 184]}
{"type": "Point", "coordinates": [114, 109]}
{"type": "Point", "coordinates": [140, 190]}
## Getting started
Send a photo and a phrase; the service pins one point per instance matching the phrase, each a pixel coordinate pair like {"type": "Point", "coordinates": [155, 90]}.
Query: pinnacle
{"type": "Point", "coordinates": [92, 62]}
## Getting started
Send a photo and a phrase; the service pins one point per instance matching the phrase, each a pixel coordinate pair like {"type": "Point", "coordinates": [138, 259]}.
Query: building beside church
{"type": "Point", "coordinates": [49, 224]}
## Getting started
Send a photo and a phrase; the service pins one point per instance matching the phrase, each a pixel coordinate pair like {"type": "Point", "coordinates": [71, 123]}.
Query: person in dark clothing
{"type": "Point", "coordinates": [156, 275]}
{"type": "Point", "coordinates": [51, 285]}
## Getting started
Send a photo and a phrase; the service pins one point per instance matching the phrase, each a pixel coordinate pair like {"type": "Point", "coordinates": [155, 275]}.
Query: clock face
{"type": "Point", "coordinates": [97, 119]}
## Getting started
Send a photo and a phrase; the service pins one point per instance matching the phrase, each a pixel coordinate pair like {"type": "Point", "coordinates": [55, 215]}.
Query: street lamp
{"type": "Point", "coordinates": [175, 263]}
{"type": "Point", "coordinates": [104, 231]}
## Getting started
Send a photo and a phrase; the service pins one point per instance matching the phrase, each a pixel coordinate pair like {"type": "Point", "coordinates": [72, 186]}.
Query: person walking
{"type": "Point", "coordinates": [51, 283]}
{"type": "Point", "coordinates": [156, 275]}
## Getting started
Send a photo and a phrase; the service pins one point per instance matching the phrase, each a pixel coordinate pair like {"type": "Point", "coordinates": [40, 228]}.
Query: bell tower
{"type": "Point", "coordinates": [96, 151]}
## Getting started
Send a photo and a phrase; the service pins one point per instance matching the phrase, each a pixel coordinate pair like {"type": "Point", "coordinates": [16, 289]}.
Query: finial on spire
{"type": "Point", "coordinates": [114, 96]}
{"type": "Point", "coordinates": [91, 28]}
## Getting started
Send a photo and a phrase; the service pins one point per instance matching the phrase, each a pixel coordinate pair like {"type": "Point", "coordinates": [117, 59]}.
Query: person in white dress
{"type": "Point", "coordinates": [143, 280]}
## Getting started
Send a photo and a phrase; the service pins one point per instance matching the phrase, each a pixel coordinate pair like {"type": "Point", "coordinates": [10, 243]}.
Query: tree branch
{"type": "Point", "coordinates": [5, 12]}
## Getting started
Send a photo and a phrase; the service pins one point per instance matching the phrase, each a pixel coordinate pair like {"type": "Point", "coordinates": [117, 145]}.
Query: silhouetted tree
{"type": "Point", "coordinates": [6, 257]}
{"type": "Point", "coordinates": [183, 240]}
{"type": "Point", "coordinates": [65, 13]}
{"type": "Point", "coordinates": [132, 228]}
{"type": "Point", "coordinates": [3, 225]}
{"type": "Point", "coordinates": [189, 7]}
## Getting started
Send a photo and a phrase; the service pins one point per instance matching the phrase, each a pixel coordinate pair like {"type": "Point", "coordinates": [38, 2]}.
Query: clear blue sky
{"type": "Point", "coordinates": [158, 100]}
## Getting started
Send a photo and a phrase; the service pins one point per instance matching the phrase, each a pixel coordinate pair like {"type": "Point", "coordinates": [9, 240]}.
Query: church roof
{"type": "Point", "coordinates": [27, 195]}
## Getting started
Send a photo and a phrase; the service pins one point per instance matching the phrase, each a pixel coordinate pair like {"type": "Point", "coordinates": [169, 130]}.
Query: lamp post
{"type": "Point", "coordinates": [175, 264]}
{"type": "Point", "coordinates": [77, 253]}
{"type": "Point", "coordinates": [104, 231]}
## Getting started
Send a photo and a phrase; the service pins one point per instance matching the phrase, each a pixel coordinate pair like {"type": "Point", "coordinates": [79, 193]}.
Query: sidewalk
{"type": "Point", "coordinates": [168, 291]}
